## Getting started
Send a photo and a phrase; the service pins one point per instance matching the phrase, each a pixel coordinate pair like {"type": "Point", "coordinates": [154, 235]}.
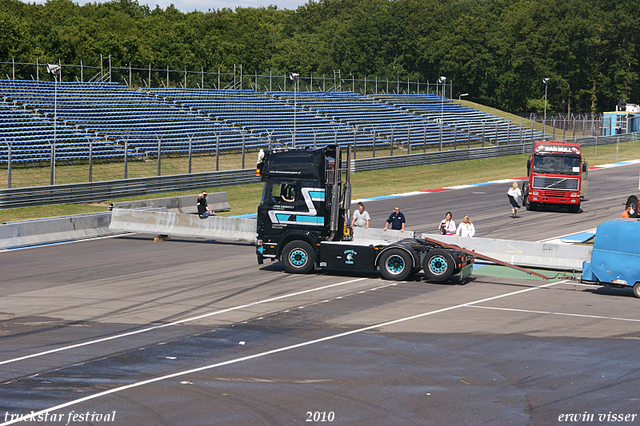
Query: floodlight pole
{"type": "Point", "coordinates": [8, 163]}
{"type": "Point", "coordinates": [544, 120]}
{"type": "Point", "coordinates": [442, 80]}
{"type": "Point", "coordinates": [294, 77]}
{"type": "Point", "coordinates": [55, 129]}
{"type": "Point", "coordinates": [55, 71]}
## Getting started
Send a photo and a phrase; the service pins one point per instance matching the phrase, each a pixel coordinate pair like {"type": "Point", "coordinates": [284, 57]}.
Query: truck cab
{"type": "Point", "coordinates": [556, 175]}
{"type": "Point", "coordinates": [300, 188]}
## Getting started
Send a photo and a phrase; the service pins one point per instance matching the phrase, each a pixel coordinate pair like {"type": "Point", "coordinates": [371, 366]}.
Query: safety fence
{"type": "Point", "coordinates": [229, 77]}
{"type": "Point", "coordinates": [108, 190]}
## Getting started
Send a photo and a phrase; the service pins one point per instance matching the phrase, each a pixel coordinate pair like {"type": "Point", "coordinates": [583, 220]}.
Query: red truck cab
{"type": "Point", "coordinates": [556, 175]}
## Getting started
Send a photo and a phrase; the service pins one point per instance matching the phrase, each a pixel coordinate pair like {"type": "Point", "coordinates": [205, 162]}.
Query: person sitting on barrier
{"type": "Point", "coordinates": [203, 210]}
{"type": "Point", "coordinates": [466, 228]}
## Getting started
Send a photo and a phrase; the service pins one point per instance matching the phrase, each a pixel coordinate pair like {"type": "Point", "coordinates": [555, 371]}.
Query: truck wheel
{"type": "Point", "coordinates": [633, 202]}
{"type": "Point", "coordinates": [439, 265]}
{"type": "Point", "coordinates": [636, 289]}
{"type": "Point", "coordinates": [396, 264]}
{"type": "Point", "coordinates": [530, 206]}
{"type": "Point", "coordinates": [298, 257]}
{"type": "Point", "coordinates": [573, 208]}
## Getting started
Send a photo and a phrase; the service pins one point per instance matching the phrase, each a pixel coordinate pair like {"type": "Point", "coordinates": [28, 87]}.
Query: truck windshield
{"type": "Point", "coordinates": [557, 164]}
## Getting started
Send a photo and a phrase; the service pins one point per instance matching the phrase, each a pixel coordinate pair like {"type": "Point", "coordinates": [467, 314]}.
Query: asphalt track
{"type": "Point", "coordinates": [125, 331]}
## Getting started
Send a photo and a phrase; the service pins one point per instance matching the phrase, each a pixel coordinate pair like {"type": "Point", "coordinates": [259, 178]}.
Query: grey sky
{"type": "Point", "coordinates": [205, 5]}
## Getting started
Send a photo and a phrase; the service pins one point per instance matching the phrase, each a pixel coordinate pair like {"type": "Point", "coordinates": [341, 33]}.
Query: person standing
{"type": "Point", "coordinates": [466, 228]}
{"type": "Point", "coordinates": [447, 225]}
{"type": "Point", "coordinates": [360, 217]}
{"type": "Point", "coordinates": [203, 210]}
{"type": "Point", "coordinates": [396, 219]}
{"type": "Point", "coordinates": [514, 195]}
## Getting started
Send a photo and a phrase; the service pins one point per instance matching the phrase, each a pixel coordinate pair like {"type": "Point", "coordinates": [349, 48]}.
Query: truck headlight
{"type": "Point", "coordinates": [535, 193]}
{"type": "Point", "coordinates": [573, 194]}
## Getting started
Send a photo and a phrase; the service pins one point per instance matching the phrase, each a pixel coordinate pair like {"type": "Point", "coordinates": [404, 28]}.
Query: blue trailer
{"type": "Point", "coordinates": [615, 260]}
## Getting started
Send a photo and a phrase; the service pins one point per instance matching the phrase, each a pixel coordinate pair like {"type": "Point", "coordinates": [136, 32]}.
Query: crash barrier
{"type": "Point", "coordinates": [377, 234]}
{"type": "Point", "coordinates": [54, 230]}
{"type": "Point", "coordinates": [217, 201]}
{"type": "Point", "coordinates": [100, 191]}
{"type": "Point", "coordinates": [108, 190]}
{"type": "Point", "coordinates": [71, 228]}
{"type": "Point", "coordinates": [183, 225]}
{"type": "Point", "coordinates": [529, 254]}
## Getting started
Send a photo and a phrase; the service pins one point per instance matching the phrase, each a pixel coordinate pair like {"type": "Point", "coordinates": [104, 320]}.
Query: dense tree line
{"type": "Point", "coordinates": [498, 51]}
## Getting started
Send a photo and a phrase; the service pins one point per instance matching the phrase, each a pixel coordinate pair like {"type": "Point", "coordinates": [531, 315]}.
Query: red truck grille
{"type": "Point", "coordinates": [545, 184]}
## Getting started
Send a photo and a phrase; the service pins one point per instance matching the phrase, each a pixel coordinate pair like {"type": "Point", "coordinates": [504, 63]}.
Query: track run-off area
{"type": "Point", "coordinates": [125, 331]}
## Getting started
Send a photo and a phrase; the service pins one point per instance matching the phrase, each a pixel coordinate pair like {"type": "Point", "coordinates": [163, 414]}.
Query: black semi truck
{"type": "Point", "coordinates": [303, 217]}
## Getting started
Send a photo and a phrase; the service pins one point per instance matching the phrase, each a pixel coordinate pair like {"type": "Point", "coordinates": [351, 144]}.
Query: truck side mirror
{"type": "Point", "coordinates": [585, 166]}
{"type": "Point", "coordinates": [528, 166]}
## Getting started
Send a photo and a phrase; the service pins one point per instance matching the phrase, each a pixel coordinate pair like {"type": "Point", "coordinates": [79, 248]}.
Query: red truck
{"type": "Point", "coordinates": [557, 175]}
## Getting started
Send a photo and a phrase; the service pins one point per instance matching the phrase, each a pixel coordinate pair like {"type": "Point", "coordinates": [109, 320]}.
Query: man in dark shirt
{"type": "Point", "coordinates": [396, 219]}
{"type": "Point", "coordinates": [203, 210]}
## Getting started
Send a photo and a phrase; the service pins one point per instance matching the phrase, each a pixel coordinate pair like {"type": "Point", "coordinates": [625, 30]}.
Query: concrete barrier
{"type": "Point", "coordinates": [521, 253]}
{"type": "Point", "coordinates": [183, 225]}
{"type": "Point", "coordinates": [53, 230]}
{"type": "Point", "coordinates": [529, 254]}
{"type": "Point", "coordinates": [389, 235]}
{"type": "Point", "coordinates": [217, 201]}
{"type": "Point", "coordinates": [70, 228]}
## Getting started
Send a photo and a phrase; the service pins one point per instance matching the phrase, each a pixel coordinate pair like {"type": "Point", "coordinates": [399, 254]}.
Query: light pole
{"type": "Point", "coordinates": [544, 120]}
{"type": "Point", "coordinates": [442, 80]}
{"type": "Point", "coordinates": [55, 71]}
{"type": "Point", "coordinates": [8, 163]}
{"type": "Point", "coordinates": [294, 76]}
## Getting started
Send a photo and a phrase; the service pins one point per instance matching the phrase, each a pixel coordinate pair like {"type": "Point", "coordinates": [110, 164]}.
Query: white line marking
{"type": "Point", "coordinates": [182, 321]}
{"type": "Point", "coordinates": [526, 311]}
{"type": "Point", "coordinates": [33, 246]}
{"type": "Point", "coordinates": [271, 352]}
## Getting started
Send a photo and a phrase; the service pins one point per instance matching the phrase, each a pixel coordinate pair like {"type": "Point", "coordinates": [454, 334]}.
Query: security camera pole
{"type": "Point", "coordinates": [55, 71]}
{"type": "Point", "coordinates": [544, 120]}
{"type": "Point", "coordinates": [294, 76]}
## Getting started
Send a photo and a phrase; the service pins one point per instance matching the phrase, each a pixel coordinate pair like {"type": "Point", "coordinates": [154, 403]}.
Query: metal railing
{"type": "Point", "coordinates": [107, 190]}
{"type": "Point", "coordinates": [230, 77]}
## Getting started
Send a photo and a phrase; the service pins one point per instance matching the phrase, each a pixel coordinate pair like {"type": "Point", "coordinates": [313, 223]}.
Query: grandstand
{"type": "Point", "coordinates": [453, 114]}
{"type": "Point", "coordinates": [112, 117]}
{"type": "Point", "coordinates": [372, 116]}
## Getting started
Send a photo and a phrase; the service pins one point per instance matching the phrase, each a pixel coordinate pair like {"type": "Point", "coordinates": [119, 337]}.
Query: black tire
{"type": "Point", "coordinates": [633, 202]}
{"type": "Point", "coordinates": [396, 264]}
{"type": "Point", "coordinates": [298, 257]}
{"type": "Point", "coordinates": [439, 265]}
{"type": "Point", "coordinates": [531, 206]}
{"type": "Point", "coordinates": [574, 208]}
{"type": "Point", "coordinates": [636, 290]}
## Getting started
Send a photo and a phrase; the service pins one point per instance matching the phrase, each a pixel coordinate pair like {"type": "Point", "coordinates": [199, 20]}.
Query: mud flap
{"type": "Point", "coordinates": [466, 271]}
